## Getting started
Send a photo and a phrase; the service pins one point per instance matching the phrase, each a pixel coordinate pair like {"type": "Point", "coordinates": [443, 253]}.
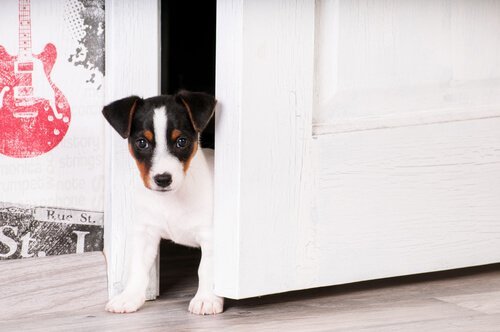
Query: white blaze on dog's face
{"type": "Point", "coordinates": [169, 164]}
{"type": "Point", "coordinates": [163, 134]}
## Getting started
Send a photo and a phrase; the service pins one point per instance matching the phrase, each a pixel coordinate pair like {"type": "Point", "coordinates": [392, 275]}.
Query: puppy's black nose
{"type": "Point", "coordinates": [163, 180]}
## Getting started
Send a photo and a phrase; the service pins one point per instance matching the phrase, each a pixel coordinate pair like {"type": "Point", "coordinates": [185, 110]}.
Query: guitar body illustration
{"type": "Point", "coordinates": [34, 114]}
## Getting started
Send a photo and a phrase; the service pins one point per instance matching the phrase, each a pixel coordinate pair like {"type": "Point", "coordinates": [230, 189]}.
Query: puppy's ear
{"type": "Point", "coordinates": [120, 114]}
{"type": "Point", "coordinates": [199, 105]}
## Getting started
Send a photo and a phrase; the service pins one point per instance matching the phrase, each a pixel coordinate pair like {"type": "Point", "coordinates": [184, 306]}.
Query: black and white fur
{"type": "Point", "coordinates": [175, 202]}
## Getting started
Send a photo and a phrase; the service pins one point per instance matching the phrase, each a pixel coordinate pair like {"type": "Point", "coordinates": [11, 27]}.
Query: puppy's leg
{"type": "Point", "coordinates": [144, 251]}
{"type": "Point", "coordinates": [205, 301]}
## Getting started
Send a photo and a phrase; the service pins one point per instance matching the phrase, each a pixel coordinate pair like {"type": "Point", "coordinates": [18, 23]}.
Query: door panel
{"type": "Point", "coordinates": [379, 58]}
{"type": "Point", "coordinates": [355, 140]}
{"type": "Point", "coordinates": [407, 200]}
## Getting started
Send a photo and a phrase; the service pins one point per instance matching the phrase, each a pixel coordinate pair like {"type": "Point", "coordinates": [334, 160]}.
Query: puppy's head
{"type": "Point", "coordinates": [163, 133]}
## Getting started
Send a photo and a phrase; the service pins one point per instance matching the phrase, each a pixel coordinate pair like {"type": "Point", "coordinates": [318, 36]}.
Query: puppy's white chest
{"type": "Point", "coordinates": [182, 224]}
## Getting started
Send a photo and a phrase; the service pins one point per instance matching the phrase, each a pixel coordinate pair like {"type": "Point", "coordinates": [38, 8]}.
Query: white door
{"type": "Point", "coordinates": [354, 140]}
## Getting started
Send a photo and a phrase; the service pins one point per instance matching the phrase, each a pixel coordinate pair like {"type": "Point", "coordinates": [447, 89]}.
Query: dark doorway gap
{"type": "Point", "coordinates": [188, 50]}
{"type": "Point", "coordinates": [187, 62]}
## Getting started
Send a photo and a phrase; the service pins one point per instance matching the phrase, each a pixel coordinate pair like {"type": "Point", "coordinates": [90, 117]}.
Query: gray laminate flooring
{"type": "Point", "coordinates": [67, 293]}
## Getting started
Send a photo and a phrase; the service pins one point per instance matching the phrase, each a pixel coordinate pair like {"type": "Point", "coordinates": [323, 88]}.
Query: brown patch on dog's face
{"type": "Point", "coordinates": [149, 135]}
{"type": "Point", "coordinates": [144, 170]}
{"type": "Point", "coordinates": [175, 134]}
{"type": "Point", "coordinates": [143, 167]}
{"type": "Point", "coordinates": [188, 161]}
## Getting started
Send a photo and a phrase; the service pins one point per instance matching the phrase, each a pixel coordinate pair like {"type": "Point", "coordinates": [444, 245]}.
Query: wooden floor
{"type": "Point", "coordinates": [67, 293]}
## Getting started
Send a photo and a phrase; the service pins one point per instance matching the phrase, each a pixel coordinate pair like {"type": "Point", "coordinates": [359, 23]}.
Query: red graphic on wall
{"type": "Point", "coordinates": [34, 114]}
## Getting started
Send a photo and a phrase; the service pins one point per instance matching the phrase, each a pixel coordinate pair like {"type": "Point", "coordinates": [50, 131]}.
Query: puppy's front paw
{"type": "Point", "coordinates": [125, 302]}
{"type": "Point", "coordinates": [206, 304]}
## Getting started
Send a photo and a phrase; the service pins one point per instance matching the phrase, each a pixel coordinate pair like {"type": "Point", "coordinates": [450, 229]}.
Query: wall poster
{"type": "Point", "coordinates": [51, 131]}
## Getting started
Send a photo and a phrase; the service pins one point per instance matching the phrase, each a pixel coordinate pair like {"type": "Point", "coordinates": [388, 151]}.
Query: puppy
{"type": "Point", "coordinates": [175, 202]}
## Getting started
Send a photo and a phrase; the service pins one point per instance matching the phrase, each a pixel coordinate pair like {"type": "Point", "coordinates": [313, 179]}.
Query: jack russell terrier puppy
{"type": "Point", "coordinates": [175, 202]}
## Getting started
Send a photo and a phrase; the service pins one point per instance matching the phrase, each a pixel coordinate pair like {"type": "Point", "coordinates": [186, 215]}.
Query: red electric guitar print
{"type": "Point", "coordinates": [34, 114]}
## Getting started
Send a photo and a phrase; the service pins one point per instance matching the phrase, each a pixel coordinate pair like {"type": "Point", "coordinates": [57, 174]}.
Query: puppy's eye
{"type": "Point", "coordinates": [181, 142]}
{"type": "Point", "coordinates": [142, 144]}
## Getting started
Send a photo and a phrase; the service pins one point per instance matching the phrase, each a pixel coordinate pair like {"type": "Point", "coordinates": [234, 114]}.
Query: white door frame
{"type": "Point", "coordinates": [132, 67]}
